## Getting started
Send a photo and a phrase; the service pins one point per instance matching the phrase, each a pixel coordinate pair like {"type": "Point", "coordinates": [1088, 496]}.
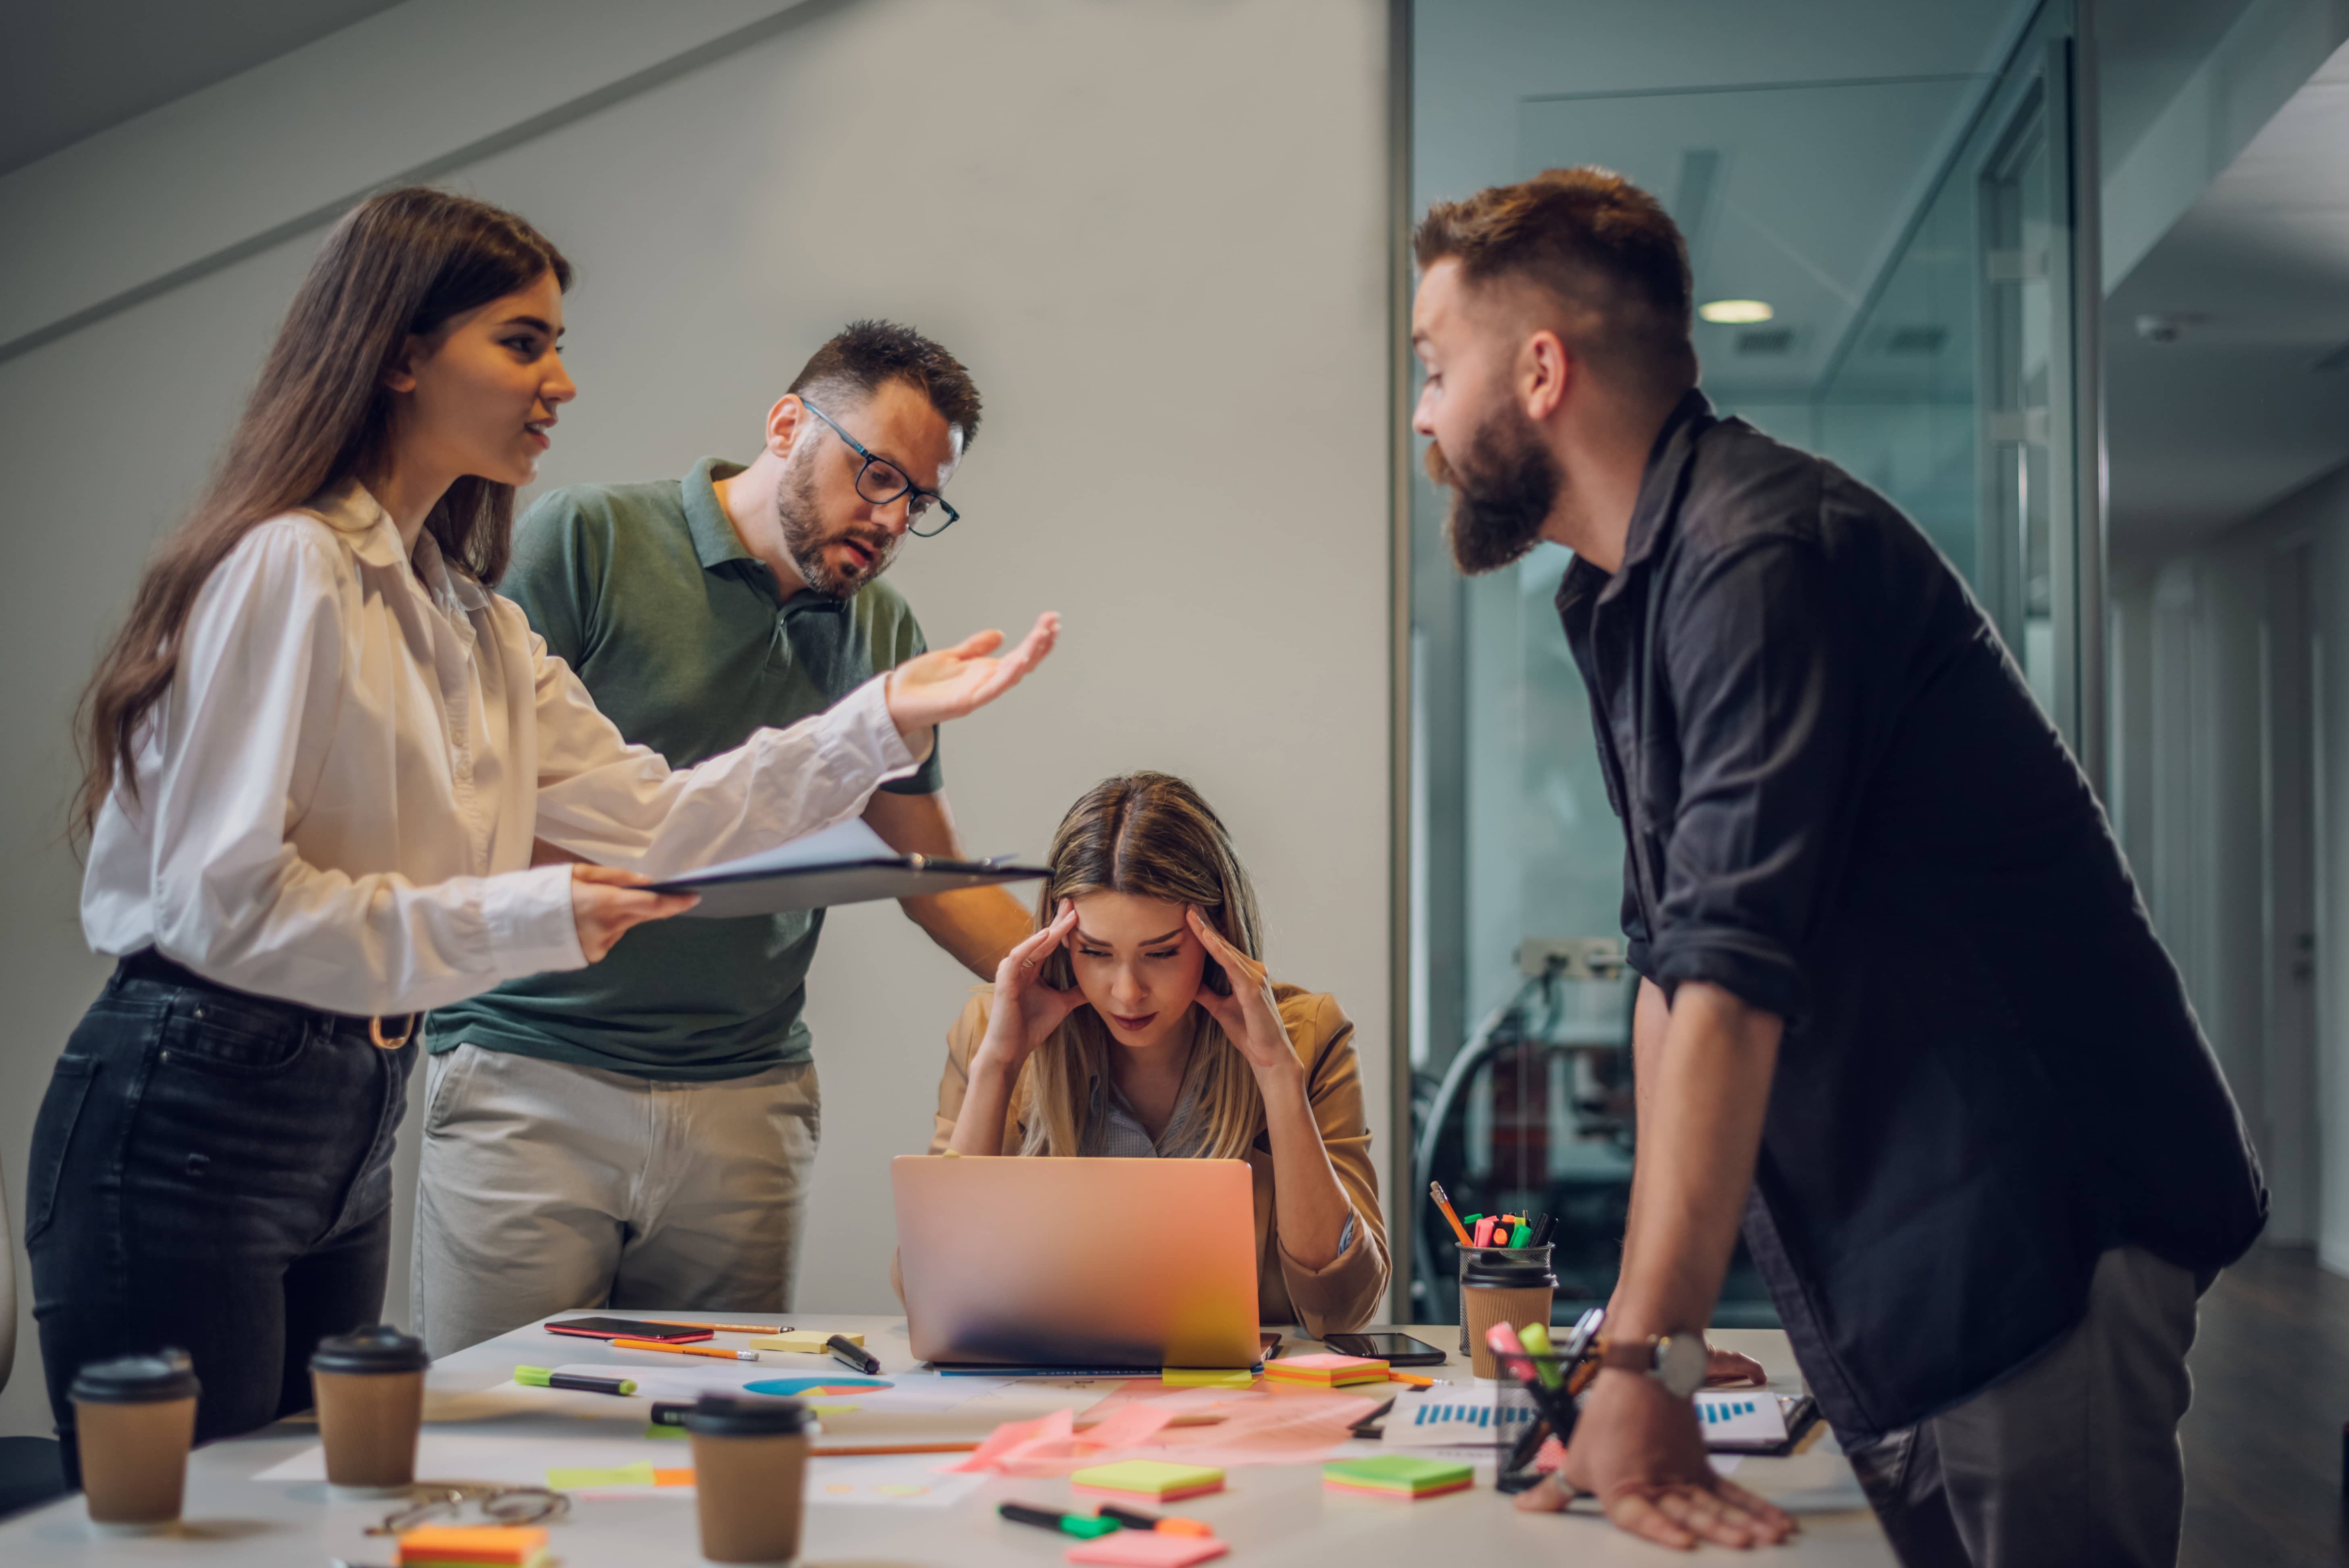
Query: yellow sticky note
{"type": "Point", "coordinates": [616, 1475]}
{"type": "Point", "coordinates": [1206, 1377]}
{"type": "Point", "coordinates": [804, 1341]}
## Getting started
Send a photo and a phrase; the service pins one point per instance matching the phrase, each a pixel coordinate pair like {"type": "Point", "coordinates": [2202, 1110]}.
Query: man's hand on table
{"type": "Point", "coordinates": [1723, 1369]}
{"type": "Point", "coordinates": [1637, 1450]}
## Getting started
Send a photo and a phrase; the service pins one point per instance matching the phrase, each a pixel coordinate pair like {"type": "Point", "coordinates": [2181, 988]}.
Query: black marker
{"type": "Point", "coordinates": [849, 1354]}
{"type": "Point", "coordinates": [1083, 1526]}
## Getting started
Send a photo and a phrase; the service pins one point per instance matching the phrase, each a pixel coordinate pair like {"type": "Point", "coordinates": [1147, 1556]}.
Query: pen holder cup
{"type": "Point", "coordinates": [1468, 1255]}
{"type": "Point", "coordinates": [1518, 1414]}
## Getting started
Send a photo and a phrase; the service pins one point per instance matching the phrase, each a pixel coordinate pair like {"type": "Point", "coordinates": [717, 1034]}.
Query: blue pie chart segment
{"type": "Point", "coordinates": [796, 1386]}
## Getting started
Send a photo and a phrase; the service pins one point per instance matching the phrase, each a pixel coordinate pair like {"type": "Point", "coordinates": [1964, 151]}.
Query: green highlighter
{"type": "Point", "coordinates": [542, 1378]}
{"type": "Point", "coordinates": [1085, 1527]}
{"type": "Point", "coordinates": [1535, 1337]}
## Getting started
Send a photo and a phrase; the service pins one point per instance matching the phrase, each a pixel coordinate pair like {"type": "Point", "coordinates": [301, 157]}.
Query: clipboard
{"type": "Point", "coordinates": [845, 863]}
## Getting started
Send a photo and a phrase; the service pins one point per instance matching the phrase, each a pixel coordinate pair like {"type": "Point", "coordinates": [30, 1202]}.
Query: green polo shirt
{"type": "Point", "coordinates": [680, 636]}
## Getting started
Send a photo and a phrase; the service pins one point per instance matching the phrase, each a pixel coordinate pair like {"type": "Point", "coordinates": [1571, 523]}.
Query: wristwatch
{"type": "Point", "coordinates": [1675, 1360]}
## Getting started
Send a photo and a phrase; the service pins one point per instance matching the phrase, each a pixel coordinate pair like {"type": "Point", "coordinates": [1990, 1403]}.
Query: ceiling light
{"type": "Point", "coordinates": [1735, 312]}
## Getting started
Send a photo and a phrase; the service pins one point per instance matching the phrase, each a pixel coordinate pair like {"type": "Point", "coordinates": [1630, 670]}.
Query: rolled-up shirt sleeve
{"type": "Point", "coordinates": [1764, 707]}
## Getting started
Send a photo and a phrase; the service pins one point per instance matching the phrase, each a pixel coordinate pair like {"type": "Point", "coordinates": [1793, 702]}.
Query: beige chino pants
{"type": "Point", "coordinates": [546, 1187]}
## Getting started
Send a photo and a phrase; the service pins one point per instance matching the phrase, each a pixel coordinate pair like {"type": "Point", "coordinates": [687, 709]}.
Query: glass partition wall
{"type": "Point", "coordinates": [1912, 243]}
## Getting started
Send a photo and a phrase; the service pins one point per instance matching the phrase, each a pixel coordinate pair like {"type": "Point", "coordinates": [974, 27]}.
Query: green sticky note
{"type": "Point", "coordinates": [1151, 1477]}
{"type": "Point", "coordinates": [617, 1475]}
{"type": "Point", "coordinates": [655, 1429]}
{"type": "Point", "coordinates": [1398, 1475]}
{"type": "Point", "coordinates": [1206, 1377]}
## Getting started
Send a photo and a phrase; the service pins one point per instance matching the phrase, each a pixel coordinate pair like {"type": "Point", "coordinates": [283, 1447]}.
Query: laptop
{"type": "Point", "coordinates": [1099, 1267]}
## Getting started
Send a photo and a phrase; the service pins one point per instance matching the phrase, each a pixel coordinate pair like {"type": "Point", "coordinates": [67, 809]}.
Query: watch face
{"type": "Point", "coordinates": [1679, 1364]}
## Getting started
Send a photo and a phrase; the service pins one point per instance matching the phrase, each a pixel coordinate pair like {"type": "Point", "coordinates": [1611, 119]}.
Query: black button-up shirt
{"type": "Point", "coordinates": [1842, 805]}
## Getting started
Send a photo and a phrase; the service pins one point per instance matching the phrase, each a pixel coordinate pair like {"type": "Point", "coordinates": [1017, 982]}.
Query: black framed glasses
{"type": "Point", "coordinates": [882, 481]}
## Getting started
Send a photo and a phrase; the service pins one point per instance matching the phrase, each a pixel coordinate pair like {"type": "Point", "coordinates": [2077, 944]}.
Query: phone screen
{"type": "Point", "coordinates": [1395, 1349]}
{"type": "Point", "coordinates": [625, 1329]}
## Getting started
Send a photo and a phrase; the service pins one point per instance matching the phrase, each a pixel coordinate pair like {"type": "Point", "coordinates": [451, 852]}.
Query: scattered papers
{"type": "Point", "coordinates": [1446, 1416]}
{"type": "Point", "coordinates": [1746, 1417]}
{"type": "Point", "coordinates": [890, 1481]}
{"type": "Point", "coordinates": [1219, 1427]}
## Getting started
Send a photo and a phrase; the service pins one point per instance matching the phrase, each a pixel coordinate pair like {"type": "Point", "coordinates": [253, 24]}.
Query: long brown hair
{"type": "Point", "coordinates": [1151, 835]}
{"type": "Point", "coordinates": [400, 265]}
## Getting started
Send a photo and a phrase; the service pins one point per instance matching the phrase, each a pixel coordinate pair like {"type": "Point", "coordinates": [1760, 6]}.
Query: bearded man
{"type": "Point", "coordinates": [1900, 1011]}
{"type": "Point", "coordinates": [642, 1132]}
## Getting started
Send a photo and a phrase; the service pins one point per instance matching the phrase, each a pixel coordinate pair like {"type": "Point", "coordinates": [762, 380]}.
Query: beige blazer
{"type": "Point", "coordinates": [1336, 1299]}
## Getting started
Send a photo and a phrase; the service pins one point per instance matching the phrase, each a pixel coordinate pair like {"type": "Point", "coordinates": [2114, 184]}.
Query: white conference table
{"type": "Point", "coordinates": [1270, 1514]}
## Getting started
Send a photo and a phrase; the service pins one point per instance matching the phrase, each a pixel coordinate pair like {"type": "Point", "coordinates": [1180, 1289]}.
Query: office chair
{"type": "Point", "coordinates": [32, 1471]}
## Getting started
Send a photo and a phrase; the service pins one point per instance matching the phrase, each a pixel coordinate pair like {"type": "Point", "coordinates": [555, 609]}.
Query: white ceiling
{"type": "Point", "coordinates": [69, 68]}
{"type": "Point", "coordinates": [2146, 49]}
{"type": "Point", "coordinates": [2236, 415]}
{"type": "Point", "coordinates": [1812, 129]}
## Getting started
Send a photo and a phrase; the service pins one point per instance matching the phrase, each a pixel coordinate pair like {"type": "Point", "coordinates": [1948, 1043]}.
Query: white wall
{"type": "Point", "coordinates": [2194, 732]}
{"type": "Point", "coordinates": [1156, 233]}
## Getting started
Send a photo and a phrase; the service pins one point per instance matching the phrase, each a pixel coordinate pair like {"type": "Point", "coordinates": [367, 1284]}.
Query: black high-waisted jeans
{"type": "Point", "coordinates": [212, 1171]}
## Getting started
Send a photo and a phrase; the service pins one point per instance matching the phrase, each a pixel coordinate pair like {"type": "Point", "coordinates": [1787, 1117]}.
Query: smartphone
{"type": "Point", "coordinates": [1268, 1344]}
{"type": "Point", "coordinates": [1395, 1349]}
{"type": "Point", "coordinates": [625, 1329]}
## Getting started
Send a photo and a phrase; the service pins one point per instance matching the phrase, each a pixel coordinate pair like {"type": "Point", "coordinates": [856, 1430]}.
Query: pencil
{"type": "Point", "coordinates": [1435, 1191]}
{"type": "Point", "coordinates": [838, 1450]}
{"type": "Point", "coordinates": [683, 1350]}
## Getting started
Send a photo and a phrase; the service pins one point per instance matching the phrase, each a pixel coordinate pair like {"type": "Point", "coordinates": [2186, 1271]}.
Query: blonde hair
{"type": "Point", "coordinates": [1152, 836]}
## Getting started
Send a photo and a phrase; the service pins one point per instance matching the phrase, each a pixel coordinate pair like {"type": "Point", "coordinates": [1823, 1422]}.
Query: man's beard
{"type": "Point", "coordinates": [804, 538]}
{"type": "Point", "coordinates": [1504, 488]}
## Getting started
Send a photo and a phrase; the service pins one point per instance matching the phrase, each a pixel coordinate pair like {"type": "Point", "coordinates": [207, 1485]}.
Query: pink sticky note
{"type": "Point", "coordinates": [1149, 1549]}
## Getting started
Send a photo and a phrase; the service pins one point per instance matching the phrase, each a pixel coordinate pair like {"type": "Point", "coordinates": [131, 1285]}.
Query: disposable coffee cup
{"type": "Point", "coordinates": [1494, 1291]}
{"type": "Point", "coordinates": [369, 1389]}
{"type": "Point", "coordinates": [749, 1475]}
{"type": "Point", "coordinates": [133, 1421]}
{"type": "Point", "coordinates": [1526, 1255]}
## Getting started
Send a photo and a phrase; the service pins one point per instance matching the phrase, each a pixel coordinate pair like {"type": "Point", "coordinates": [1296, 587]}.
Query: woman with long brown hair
{"type": "Point", "coordinates": [1140, 1021]}
{"type": "Point", "coordinates": [319, 751]}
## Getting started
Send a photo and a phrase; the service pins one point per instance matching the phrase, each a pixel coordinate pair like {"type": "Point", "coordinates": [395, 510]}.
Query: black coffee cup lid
{"type": "Point", "coordinates": [1494, 1274]}
{"type": "Point", "coordinates": [377, 1348]}
{"type": "Point", "coordinates": [150, 1379]}
{"type": "Point", "coordinates": [737, 1415]}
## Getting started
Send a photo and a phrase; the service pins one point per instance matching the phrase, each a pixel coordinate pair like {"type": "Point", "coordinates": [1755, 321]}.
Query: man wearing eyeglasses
{"type": "Point", "coordinates": [641, 1132]}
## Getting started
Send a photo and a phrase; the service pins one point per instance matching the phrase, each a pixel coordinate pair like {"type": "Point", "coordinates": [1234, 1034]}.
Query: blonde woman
{"type": "Point", "coordinates": [1139, 1021]}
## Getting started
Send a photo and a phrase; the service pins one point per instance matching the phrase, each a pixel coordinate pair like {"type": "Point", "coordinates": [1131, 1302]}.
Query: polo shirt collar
{"type": "Point", "coordinates": [714, 543]}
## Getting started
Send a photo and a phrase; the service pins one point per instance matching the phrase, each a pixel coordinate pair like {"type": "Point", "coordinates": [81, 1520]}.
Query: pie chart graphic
{"type": "Point", "coordinates": [815, 1387]}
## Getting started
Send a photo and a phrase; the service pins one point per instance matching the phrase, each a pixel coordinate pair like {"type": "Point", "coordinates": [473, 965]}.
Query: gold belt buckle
{"type": "Point", "coordinates": [375, 1033]}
